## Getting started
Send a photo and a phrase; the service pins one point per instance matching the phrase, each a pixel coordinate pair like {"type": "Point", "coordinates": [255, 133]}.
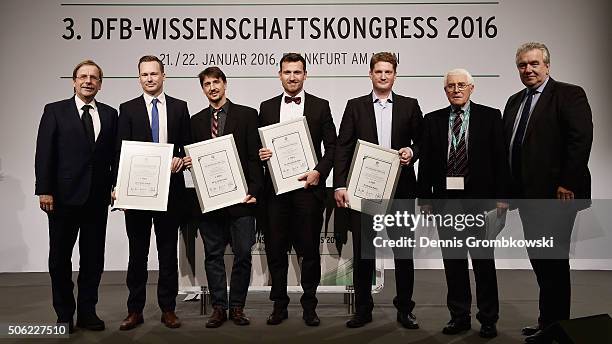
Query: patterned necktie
{"type": "Point", "coordinates": [457, 159]}
{"type": "Point", "coordinates": [214, 124]}
{"type": "Point", "coordinates": [517, 144]}
{"type": "Point", "coordinates": [155, 121]}
{"type": "Point", "coordinates": [88, 124]}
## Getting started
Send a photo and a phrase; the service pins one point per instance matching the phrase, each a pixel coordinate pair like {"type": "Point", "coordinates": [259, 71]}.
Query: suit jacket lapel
{"type": "Point", "coordinates": [473, 130]}
{"type": "Point", "coordinates": [75, 118]}
{"type": "Point", "coordinates": [275, 114]}
{"type": "Point", "coordinates": [170, 118]}
{"type": "Point", "coordinates": [144, 116]}
{"type": "Point", "coordinates": [515, 103]}
{"type": "Point", "coordinates": [442, 129]}
{"type": "Point", "coordinates": [371, 118]}
{"type": "Point", "coordinates": [230, 119]}
{"type": "Point", "coordinates": [395, 120]}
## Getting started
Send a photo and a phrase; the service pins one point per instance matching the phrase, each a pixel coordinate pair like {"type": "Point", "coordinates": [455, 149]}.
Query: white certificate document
{"type": "Point", "coordinates": [143, 180]}
{"type": "Point", "coordinates": [217, 173]}
{"type": "Point", "coordinates": [373, 177]}
{"type": "Point", "coordinates": [292, 153]}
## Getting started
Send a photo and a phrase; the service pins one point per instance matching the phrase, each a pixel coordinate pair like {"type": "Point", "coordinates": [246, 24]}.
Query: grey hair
{"type": "Point", "coordinates": [531, 46]}
{"type": "Point", "coordinates": [459, 71]}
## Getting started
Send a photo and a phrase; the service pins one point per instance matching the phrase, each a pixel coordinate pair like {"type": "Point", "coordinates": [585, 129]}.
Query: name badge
{"type": "Point", "coordinates": [454, 183]}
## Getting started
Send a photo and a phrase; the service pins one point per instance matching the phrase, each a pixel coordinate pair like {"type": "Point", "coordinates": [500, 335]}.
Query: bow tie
{"type": "Point", "coordinates": [296, 100]}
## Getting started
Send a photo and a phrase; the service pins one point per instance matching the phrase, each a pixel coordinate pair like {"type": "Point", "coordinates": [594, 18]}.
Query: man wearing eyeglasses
{"type": "Point", "coordinates": [461, 171]}
{"type": "Point", "coordinates": [74, 156]}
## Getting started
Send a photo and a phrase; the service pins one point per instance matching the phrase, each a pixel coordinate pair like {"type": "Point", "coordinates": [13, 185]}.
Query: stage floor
{"type": "Point", "coordinates": [26, 298]}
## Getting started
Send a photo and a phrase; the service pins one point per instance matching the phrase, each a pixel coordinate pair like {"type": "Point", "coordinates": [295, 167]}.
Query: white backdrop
{"type": "Point", "coordinates": [37, 62]}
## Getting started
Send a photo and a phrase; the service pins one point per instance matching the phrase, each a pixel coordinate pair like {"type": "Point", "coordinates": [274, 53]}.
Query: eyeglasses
{"type": "Point", "coordinates": [84, 77]}
{"type": "Point", "coordinates": [460, 86]}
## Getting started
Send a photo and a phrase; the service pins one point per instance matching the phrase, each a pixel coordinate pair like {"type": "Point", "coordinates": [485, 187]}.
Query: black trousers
{"type": "Point", "coordinates": [138, 226]}
{"type": "Point", "coordinates": [459, 295]}
{"type": "Point", "coordinates": [65, 223]}
{"type": "Point", "coordinates": [294, 220]}
{"type": "Point", "coordinates": [364, 265]}
{"type": "Point", "coordinates": [550, 218]}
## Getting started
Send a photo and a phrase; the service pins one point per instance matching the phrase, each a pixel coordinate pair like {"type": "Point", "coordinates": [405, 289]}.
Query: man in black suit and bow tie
{"type": "Point", "coordinates": [234, 224]}
{"type": "Point", "coordinates": [548, 130]}
{"type": "Point", "coordinates": [295, 218]}
{"type": "Point", "coordinates": [462, 171]}
{"type": "Point", "coordinates": [154, 117]}
{"type": "Point", "coordinates": [74, 156]}
{"type": "Point", "coordinates": [391, 121]}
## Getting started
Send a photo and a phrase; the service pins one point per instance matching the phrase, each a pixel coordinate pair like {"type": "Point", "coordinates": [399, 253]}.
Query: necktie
{"type": "Point", "coordinates": [214, 124]}
{"type": "Point", "coordinates": [88, 124]}
{"type": "Point", "coordinates": [457, 159]}
{"type": "Point", "coordinates": [155, 121]}
{"type": "Point", "coordinates": [520, 135]}
{"type": "Point", "coordinates": [296, 100]}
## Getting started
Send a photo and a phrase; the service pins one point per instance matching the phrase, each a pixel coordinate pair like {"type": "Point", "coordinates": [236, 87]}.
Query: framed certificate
{"type": "Point", "coordinates": [373, 177]}
{"type": "Point", "coordinates": [217, 173]}
{"type": "Point", "coordinates": [292, 153]}
{"type": "Point", "coordinates": [143, 179]}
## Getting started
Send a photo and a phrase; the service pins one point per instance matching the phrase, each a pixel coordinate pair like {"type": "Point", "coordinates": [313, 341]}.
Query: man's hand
{"type": "Point", "coordinates": [249, 200]}
{"type": "Point", "coordinates": [46, 203]}
{"type": "Point", "coordinates": [265, 154]}
{"type": "Point", "coordinates": [502, 208]}
{"type": "Point", "coordinates": [426, 209]}
{"type": "Point", "coordinates": [177, 164]}
{"type": "Point", "coordinates": [311, 178]}
{"type": "Point", "coordinates": [187, 162]}
{"type": "Point", "coordinates": [405, 156]}
{"type": "Point", "coordinates": [564, 194]}
{"type": "Point", "coordinates": [341, 197]}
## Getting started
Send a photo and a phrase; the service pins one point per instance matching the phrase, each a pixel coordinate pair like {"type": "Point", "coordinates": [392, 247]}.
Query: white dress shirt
{"type": "Point", "coordinates": [93, 112]}
{"type": "Point", "coordinates": [163, 114]}
{"type": "Point", "coordinates": [289, 111]}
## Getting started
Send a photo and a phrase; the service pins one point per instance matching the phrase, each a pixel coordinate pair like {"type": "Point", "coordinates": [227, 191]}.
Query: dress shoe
{"type": "Point", "coordinates": [277, 316]}
{"type": "Point", "coordinates": [530, 330]}
{"type": "Point", "coordinates": [359, 320]}
{"type": "Point", "coordinates": [170, 320]}
{"type": "Point", "coordinates": [131, 321]}
{"type": "Point", "coordinates": [455, 327]}
{"type": "Point", "coordinates": [408, 320]}
{"type": "Point", "coordinates": [70, 324]}
{"type": "Point", "coordinates": [540, 337]}
{"type": "Point", "coordinates": [237, 315]}
{"type": "Point", "coordinates": [90, 321]}
{"type": "Point", "coordinates": [311, 318]}
{"type": "Point", "coordinates": [488, 331]}
{"type": "Point", "coordinates": [218, 317]}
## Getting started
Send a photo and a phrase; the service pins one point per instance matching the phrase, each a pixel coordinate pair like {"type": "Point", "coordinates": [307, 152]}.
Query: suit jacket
{"type": "Point", "coordinates": [359, 122]}
{"type": "Point", "coordinates": [134, 125]}
{"type": "Point", "coordinates": [241, 121]}
{"type": "Point", "coordinates": [322, 129]}
{"type": "Point", "coordinates": [67, 166]}
{"type": "Point", "coordinates": [557, 143]}
{"type": "Point", "coordinates": [487, 161]}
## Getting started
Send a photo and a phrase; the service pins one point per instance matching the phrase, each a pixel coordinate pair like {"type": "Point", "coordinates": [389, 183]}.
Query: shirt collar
{"type": "Point", "coordinates": [149, 98]}
{"type": "Point", "coordinates": [540, 89]}
{"type": "Point", "coordinates": [80, 103]}
{"type": "Point", "coordinates": [465, 107]}
{"type": "Point", "coordinates": [225, 107]}
{"type": "Point", "coordinates": [375, 98]}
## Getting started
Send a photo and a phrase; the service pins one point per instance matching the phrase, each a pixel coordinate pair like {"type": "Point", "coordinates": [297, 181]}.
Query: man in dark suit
{"type": "Point", "coordinates": [234, 224]}
{"type": "Point", "coordinates": [548, 130]}
{"type": "Point", "coordinates": [295, 218]}
{"type": "Point", "coordinates": [74, 157]}
{"type": "Point", "coordinates": [463, 159]}
{"type": "Point", "coordinates": [392, 121]}
{"type": "Point", "coordinates": [154, 117]}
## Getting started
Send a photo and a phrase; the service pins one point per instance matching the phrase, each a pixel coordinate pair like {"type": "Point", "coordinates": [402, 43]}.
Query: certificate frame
{"type": "Point", "coordinates": [291, 160]}
{"type": "Point", "coordinates": [373, 178]}
{"type": "Point", "coordinates": [143, 178]}
{"type": "Point", "coordinates": [217, 173]}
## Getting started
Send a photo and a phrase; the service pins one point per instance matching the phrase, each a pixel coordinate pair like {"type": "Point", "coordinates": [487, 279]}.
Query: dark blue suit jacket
{"type": "Point", "coordinates": [67, 166]}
